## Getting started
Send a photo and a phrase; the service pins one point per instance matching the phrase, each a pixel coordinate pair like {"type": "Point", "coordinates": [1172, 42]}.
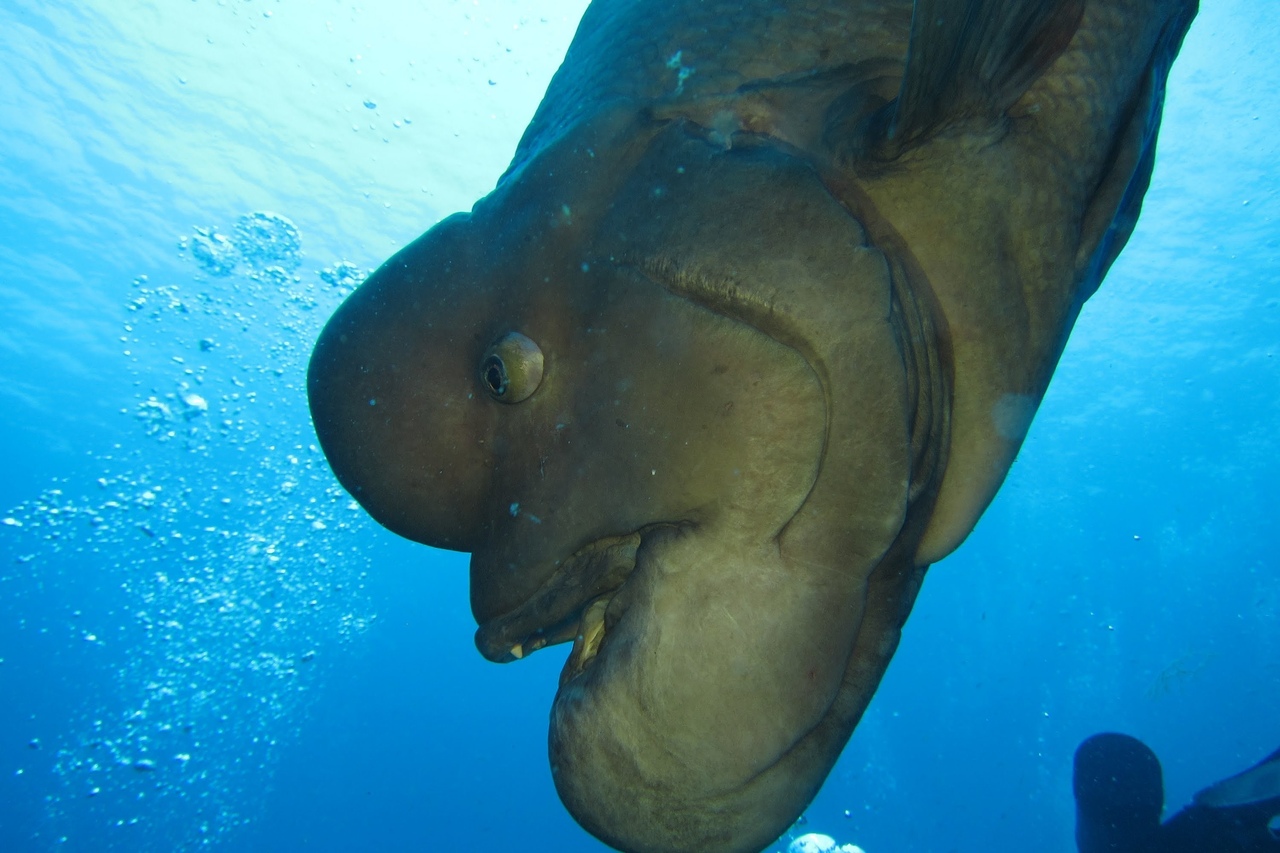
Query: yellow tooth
{"type": "Point", "coordinates": [593, 628]}
{"type": "Point", "coordinates": [517, 651]}
{"type": "Point", "coordinates": [593, 632]}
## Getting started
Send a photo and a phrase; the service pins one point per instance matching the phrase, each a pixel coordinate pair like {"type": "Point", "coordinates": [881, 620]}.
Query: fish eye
{"type": "Point", "coordinates": [511, 369]}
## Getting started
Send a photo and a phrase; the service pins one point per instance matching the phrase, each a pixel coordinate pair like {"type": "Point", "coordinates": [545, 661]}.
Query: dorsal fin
{"type": "Point", "coordinates": [973, 58]}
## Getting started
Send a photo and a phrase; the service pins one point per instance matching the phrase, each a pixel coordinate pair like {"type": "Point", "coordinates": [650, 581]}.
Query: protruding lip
{"type": "Point", "coordinates": [553, 614]}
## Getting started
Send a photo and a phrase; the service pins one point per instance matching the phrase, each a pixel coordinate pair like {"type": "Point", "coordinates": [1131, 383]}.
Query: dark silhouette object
{"type": "Point", "coordinates": [1119, 791]}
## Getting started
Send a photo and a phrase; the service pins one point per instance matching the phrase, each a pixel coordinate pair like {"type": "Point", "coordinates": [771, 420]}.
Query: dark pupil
{"type": "Point", "coordinates": [495, 376]}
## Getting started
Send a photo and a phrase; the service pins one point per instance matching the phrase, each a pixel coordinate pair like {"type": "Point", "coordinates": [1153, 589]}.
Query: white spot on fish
{"type": "Point", "coordinates": [1012, 415]}
{"type": "Point", "coordinates": [676, 63]}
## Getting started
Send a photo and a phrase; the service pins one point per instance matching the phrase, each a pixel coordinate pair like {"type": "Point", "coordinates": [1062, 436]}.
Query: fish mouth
{"type": "Point", "coordinates": [574, 604]}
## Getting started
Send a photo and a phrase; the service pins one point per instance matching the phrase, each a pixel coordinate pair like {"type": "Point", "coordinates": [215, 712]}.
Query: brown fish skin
{"type": "Point", "coordinates": [799, 274]}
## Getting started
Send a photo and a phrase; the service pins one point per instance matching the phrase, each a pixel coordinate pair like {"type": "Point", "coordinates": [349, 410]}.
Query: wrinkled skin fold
{"type": "Point", "coordinates": [747, 336]}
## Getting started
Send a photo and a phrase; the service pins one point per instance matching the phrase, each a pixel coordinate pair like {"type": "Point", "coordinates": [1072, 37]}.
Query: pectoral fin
{"type": "Point", "coordinates": [971, 59]}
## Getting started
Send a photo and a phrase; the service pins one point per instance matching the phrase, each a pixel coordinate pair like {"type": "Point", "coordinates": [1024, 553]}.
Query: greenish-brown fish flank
{"type": "Point", "coordinates": [746, 337]}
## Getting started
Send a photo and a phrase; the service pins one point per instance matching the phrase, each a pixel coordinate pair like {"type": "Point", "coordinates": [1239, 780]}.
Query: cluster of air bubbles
{"type": "Point", "coordinates": [816, 842]}
{"type": "Point", "coordinates": [259, 241]}
{"type": "Point", "coordinates": [214, 252]}
{"type": "Point", "coordinates": [205, 571]}
{"type": "Point", "coordinates": [163, 418]}
{"type": "Point", "coordinates": [344, 276]}
{"type": "Point", "coordinates": [268, 239]}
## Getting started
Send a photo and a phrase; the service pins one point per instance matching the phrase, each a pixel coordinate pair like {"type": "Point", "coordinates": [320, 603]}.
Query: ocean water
{"type": "Point", "coordinates": [203, 644]}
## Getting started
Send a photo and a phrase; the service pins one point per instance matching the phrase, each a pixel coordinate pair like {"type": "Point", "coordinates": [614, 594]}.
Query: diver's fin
{"type": "Point", "coordinates": [1259, 783]}
{"type": "Point", "coordinates": [972, 59]}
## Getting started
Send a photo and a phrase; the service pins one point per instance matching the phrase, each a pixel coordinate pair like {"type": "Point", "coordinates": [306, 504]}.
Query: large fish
{"type": "Point", "coordinates": [746, 337]}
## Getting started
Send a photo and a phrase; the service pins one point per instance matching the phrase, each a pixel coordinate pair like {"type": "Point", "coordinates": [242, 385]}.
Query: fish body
{"type": "Point", "coordinates": [746, 337]}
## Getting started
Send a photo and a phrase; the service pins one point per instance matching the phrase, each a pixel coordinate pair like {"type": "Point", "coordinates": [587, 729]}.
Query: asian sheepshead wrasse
{"type": "Point", "coordinates": [746, 337]}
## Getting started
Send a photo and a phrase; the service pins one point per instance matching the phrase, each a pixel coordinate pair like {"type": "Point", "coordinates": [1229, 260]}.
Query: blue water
{"type": "Point", "coordinates": [205, 645]}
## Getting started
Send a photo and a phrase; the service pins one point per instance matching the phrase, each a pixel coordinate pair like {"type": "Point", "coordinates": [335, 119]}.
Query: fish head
{"type": "Point", "coordinates": [632, 466]}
